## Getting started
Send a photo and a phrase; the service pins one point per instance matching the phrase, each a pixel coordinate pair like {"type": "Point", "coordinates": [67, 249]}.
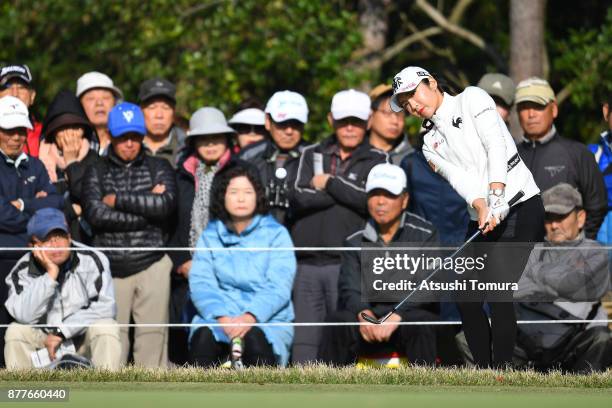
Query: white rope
{"type": "Point", "coordinates": [307, 324]}
{"type": "Point", "coordinates": [269, 249]}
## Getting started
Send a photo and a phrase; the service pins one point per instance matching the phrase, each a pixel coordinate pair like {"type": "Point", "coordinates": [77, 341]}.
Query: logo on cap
{"type": "Point", "coordinates": [128, 115]}
{"type": "Point", "coordinates": [397, 83]}
{"type": "Point", "coordinates": [422, 73]}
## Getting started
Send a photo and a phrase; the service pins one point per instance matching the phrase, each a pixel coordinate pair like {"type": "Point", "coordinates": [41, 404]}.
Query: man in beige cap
{"type": "Point", "coordinates": [385, 127]}
{"type": "Point", "coordinates": [501, 88]}
{"type": "Point", "coordinates": [553, 159]}
{"type": "Point", "coordinates": [98, 94]}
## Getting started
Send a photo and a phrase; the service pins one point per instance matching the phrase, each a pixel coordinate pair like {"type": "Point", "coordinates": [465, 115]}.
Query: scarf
{"type": "Point", "coordinates": [204, 176]}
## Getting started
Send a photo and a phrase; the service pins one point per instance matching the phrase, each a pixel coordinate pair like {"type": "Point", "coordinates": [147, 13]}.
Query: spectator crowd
{"type": "Point", "coordinates": [116, 191]}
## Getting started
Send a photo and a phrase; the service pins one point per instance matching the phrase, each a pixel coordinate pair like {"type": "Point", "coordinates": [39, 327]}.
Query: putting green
{"type": "Point", "coordinates": [182, 395]}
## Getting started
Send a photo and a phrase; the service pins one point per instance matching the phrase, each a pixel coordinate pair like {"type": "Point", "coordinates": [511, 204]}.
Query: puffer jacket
{"type": "Point", "coordinates": [224, 283]}
{"type": "Point", "coordinates": [139, 219]}
{"type": "Point", "coordinates": [82, 294]}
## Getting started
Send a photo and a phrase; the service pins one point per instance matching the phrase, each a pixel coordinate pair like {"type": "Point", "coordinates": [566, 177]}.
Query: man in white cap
{"type": "Point", "coordinates": [277, 158]}
{"type": "Point", "coordinates": [553, 159]}
{"type": "Point", "coordinates": [328, 204]}
{"type": "Point", "coordinates": [98, 94]}
{"type": "Point", "coordinates": [389, 224]}
{"type": "Point", "coordinates": [24, 188]}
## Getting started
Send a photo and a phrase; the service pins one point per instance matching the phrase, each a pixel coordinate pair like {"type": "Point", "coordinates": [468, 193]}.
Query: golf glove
{"type": "Point", "coordinates": [498, 207]}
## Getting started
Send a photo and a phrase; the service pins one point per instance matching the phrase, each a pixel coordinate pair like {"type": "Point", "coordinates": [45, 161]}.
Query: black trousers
{"type": "Point", "coordinates": [493, 345]}
{"type": "Point", "coordinates": [342, 345]}
{"type": "Point", "coordinates": [205, 351]}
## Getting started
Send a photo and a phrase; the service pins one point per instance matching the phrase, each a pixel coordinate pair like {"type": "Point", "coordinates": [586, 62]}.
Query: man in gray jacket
{"type": "Point", "coordinates": [565, 278]}
{"type": "Point", "coordinates": [68, 291]}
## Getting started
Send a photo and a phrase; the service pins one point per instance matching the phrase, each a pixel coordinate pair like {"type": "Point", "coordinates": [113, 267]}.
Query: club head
{"type": "Point", "coordinates": [369, 319]}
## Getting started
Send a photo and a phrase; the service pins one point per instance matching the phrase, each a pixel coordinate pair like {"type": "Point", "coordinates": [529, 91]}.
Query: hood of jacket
{"type": "Point", "coordinates": [65, 109]}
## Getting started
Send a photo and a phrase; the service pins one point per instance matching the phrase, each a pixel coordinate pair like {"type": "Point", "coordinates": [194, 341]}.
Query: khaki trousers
{"type": "Point", "coordinates": [101, 345]}
{"type": "Point", "coordinates": [145, 297]}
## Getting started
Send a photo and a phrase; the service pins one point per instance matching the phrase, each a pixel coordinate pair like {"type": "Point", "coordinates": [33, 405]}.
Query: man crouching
{"type": "Point", "coordinates": [70, 292]}
{"type": "Point", "coordinates": [389, 224]}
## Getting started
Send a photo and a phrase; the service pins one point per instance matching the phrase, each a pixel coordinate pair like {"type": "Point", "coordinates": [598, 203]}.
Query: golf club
{"type": "Point", "coordinates": [373, 320]}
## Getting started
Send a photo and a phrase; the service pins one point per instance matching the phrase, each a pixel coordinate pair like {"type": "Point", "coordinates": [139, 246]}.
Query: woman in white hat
{"type": "Point", "coordinates": [467, 142]}
{"type": "Point", "coordinates": [249, 123]}
{"type": "Point", "coordinates": [208, 145]}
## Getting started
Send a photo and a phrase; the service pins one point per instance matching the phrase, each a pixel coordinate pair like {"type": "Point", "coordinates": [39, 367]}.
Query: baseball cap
{"type": "Point", "coordinates": [13, 113]}
{"type": "Point", "coordinates": [536, 90]}
{"type": "Point", "coordinates": [498, 85]}
{"type": "Point", "coordinates": [95, 79]}
{"type": "Point", "coordinates": [287, 105]}
{"type": "Point", "coordinates": [251, 116]}
{"type": "Point", "coordinates": [406, 81]}
{"type": "Point", "coordinates": [350, 103]}
{"type": "Point", "coordinates": [380, 89]}
{"type": "Point", "coordinates": [46, 220]}
{"type": "Point", "coordinates": [208, 121]}
{"type": "Point", "coordinates": [561, 199]}
{"type": "Point", "coordinates": [124, 118]}
{"type": "Point", "coordinates": [157, 87]}
{"type": "Point", "coordinates": [388, 177]}
{"type": "Point", "coordinates": [19, 71]}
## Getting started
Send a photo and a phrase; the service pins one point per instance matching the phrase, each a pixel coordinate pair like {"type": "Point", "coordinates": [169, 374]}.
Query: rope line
{"type": "Point", "coordinates": [307, 324]}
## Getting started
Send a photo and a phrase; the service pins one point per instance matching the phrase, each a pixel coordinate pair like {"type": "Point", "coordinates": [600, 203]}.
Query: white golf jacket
{"type": "Point", "coordinates": [468, 144]}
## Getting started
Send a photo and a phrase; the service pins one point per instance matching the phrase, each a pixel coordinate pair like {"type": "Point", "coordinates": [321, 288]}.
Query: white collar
{"type": "Point", "coordinates": [16, 162]}
{"type": "Point", "coordinates": [446, 108]}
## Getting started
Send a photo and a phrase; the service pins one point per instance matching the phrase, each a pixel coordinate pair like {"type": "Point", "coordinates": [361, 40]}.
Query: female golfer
{"type": "Point", "coordinates": [469, 145]}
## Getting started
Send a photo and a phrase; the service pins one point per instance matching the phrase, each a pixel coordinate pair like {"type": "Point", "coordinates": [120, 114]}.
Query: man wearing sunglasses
{"type": "Point", "coordinates": [330, 203]}
{"type": "Point", "coordinates": [277, 158]}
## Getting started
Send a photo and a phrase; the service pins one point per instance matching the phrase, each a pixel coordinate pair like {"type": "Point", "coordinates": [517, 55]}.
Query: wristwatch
{"type": "Point", "coordinates": [54, 331]}
{"type": "Point", "coordinates": [497, 192]}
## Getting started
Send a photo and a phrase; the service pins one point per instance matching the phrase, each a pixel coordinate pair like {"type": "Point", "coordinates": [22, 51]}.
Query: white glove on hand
{"type": "Point", "coordinates": [498, 207]}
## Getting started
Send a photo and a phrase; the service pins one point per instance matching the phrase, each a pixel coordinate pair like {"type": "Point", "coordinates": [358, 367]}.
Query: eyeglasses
{"type": "Point", "coordinates": [242, 129]}
{"type": "Point", "coordinates": [53, 239]}
{"type": "Point", "coordinates": [389, 113]}
{"type": "Point", "coordinates": [291, 123]}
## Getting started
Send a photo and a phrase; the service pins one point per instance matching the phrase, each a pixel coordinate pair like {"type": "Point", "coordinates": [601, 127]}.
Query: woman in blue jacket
{"type": "Point", "coordinates": [246, 286]}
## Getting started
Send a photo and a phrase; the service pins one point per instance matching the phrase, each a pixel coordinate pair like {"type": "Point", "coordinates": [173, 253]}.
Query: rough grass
{"type": "Point", "coordinates": [321, 374]}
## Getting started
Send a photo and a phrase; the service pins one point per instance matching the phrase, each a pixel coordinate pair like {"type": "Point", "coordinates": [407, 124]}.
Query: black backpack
{"type": "Point", "coordinates": [545, 343]}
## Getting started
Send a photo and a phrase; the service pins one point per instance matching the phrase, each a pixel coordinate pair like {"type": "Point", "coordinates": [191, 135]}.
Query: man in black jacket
{"type": "Point", "coordinates": [277, 158]}
{"type": "Point", "coordinates": [329, 204]}
{"type": "Point", "coordinates": [389, 224]}
{"type": "Point", "coordinates": [129, 198]}
{"type": "Point", "coordinates": [553, 159]}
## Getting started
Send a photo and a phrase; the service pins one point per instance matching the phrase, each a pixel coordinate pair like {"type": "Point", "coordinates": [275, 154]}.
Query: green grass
{"type": "Point", "coordinates": [321, 374]}
{"type": "Point", "coordinates": [317, 387]}
{"type": "Point", "coordinates": [182, 395]}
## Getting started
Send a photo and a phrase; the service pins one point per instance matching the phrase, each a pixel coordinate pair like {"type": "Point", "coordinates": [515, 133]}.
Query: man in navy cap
{"type": "Point", "coordinates": [16, 80]}
{"type": "Point", "coordinates": [129, 200]}
{"type": "Point", "coordinates": [68, 288]}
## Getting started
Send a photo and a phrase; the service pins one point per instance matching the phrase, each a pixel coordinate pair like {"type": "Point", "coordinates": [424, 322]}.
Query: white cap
{"type": "Point", "coordinates": [406, 81]}
{"type": "Point", "coordinates": [95, 79]}
{"type": "Point", "coordinates": [251, 116]}
{"type": "Point", "coordinates": [14, 113]}
{"type": "Point", "coordinates": [287, 105]}
{"type": "Point", "coordinates": [388, 177]}
{"type": "Point", "coordinates": [350, 103]}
